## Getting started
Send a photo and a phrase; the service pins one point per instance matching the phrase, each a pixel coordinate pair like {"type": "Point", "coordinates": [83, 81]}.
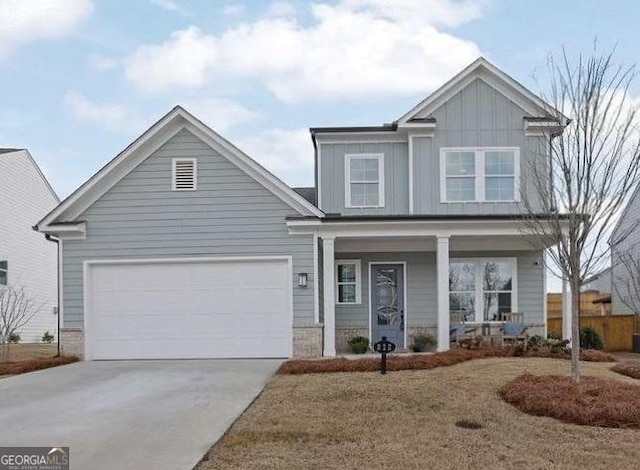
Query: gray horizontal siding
{"type": "Point", "coordinates": [396, 176]}
{"type": "Point", "coordinates": [422, 304]}
{"type": "Point", "coordinates": [229, 215]}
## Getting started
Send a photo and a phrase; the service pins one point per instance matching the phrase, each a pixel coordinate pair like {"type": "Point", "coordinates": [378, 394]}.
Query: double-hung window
{"type": "Point", "coordinates": [4, 272]}
{"type": "Point", "coordinates": [364, 180]}
{"type": "Point", "coordinates": [480, 175]}
{"type": "Point", "coordinates": [482, 289]}
{"type": "Point", "coordinates": [348, 282]}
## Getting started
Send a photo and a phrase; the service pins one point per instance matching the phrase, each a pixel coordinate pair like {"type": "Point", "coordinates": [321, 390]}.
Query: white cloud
{"type": "Point", "coordinates": [116, 117]}
{"type": "Point", "coordinates": [354, 48]}
{"type": "Point", "coordinates": [280, 9]}
{"type": "Point", "coordinates": [171, 6]}
{"type": "Point", "coordinates": [233, 9]}
{"type": "Point", "coordinates": [221, 114]}
{"type": "Point", "coordinates": [102, 64]}
{"type": "Point", "coordinates": [30, 20]}
{"type": "Point", "coordinates": [288, 153]}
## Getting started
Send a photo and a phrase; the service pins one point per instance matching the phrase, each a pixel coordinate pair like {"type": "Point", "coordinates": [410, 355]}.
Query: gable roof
{"type": "Point", "coordinates": [481, 69]}
{"type": "Point", "coordinates": [29, 157]}
{"type": "Point", "coordinates": [153, 138]}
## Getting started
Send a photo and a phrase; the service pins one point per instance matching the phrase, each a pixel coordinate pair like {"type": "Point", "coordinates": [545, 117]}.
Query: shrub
{"type": "Point", "coordinates": [538, 341]}
{"type": "Point", "coordinates": [422, 343]}
{"type": "Point", "coordinates": [590, 339]}
{"type": "Point", "coordinates": [47, 337]}
{"type": "Point", "coordinates": [592, 402]}
{"type": "Point", "coordinates": [359, 344]}
{"type": "Point", "coordinates": [554, 335]}
{"type": "Point", "coordinates": [14, 338]}
{"type": "Point", "coordinates": [630, 369]}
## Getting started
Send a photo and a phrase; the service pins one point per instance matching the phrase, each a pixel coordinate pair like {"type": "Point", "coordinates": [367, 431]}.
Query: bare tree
{"type": "Point", "coordinates": [573, 197]}
{"type": "Point", "coordinates": [16, 310]}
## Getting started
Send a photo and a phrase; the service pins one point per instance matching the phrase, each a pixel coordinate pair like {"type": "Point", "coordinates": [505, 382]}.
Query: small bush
{"type": "Point", "coordinates": [554, 335]}
{"type": "Point", "coordinates": [630, 369]}
{"type": "Point", "coordinates": [592, 402]}
{"type": "Point", "coordinates": [590, 339]}
{"type": "Point", "coordinates": [14, 338]}
{"type": "Point", "coordinates": [538, 341]}
{"type": "Point", "coordinates": [422, 343]}
{"type": "Point", "coordinates": [359, 344]}
{"type": "Point", "coordinates": [47, 337]}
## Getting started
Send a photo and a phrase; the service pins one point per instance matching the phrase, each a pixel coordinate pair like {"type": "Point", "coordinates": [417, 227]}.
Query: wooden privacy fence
{"type": "Point", "coordinates": [615, 330]}
{"type": "Point", "coordinates": [587, 307]}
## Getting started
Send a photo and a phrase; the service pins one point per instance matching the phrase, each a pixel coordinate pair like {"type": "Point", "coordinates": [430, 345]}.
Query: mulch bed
{"type": "Point", "coordinates": [21, 367]}
{"type": "Point", "coordinates": [422, 361]}
{"type": "Point", "coordinates": [630, 369]}
{"type": "Point", "coordinates": [592, 402]}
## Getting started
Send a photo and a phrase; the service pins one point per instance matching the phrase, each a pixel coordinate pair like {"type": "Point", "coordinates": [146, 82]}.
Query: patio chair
{"type": "Point", "coordinates": [459, 331]}
{"type": "Point", "coordinates": [513, 328]}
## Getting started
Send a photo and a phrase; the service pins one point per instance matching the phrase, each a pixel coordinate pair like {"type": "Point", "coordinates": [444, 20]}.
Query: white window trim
{"type": "Point", "coordinates": [173, 173]}
{"type": "Point", "coordinates": [347, 178]}
{"type": "Point", "coordinates": [479, 284]}
{"type": "Point", "coordinates": [358, 270]}
{"type": "Point", "coordinates": [480, 174]}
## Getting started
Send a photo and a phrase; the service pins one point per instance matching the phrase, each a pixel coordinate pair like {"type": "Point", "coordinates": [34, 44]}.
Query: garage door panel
{"type": "Point", "coordinates": [190, 310]}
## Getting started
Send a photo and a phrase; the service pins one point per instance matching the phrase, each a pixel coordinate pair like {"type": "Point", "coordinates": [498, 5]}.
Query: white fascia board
{"type": "Point", "coordinates": [76, 231]}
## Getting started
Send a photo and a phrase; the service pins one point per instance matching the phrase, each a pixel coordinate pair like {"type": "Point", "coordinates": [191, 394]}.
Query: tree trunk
{"type": "Point", "coordinates": [575, 332]}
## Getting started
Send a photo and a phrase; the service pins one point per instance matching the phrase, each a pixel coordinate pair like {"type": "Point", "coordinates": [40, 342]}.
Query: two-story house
{"type": "Point", "coordinates": [183, 246]}
{"type": "Point", "coordinates": [28, 262]}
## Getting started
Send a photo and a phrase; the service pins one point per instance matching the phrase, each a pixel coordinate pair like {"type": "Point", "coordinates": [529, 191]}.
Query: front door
{"type": "Point", "coordinates": [387, 303]}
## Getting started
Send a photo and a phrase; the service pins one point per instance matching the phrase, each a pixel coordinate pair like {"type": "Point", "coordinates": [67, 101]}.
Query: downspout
{"type": "Point", "coordinates": [56, 241]}
{"type": "Point", "coordinates": [315, 169]}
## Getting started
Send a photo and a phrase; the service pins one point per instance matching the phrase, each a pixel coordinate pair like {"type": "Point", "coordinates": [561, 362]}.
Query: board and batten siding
{"type": "Point", "coordinates": [477, 116]}
{"type": "Point", "coordinates": [230, 214]}
{"type": "Point", "coordinates": [421, 303]}
{"type": "Point", "coordinates": [25, 198]}
{"type": "Point", "coordinates": [396, 176]}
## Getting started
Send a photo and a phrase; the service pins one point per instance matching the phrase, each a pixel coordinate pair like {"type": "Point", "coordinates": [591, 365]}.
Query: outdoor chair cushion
{"type": "Point", "coordinates": [513, 329]}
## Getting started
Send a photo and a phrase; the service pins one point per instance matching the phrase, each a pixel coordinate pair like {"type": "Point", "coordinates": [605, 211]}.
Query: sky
{"type": "Point", "coordinates": [81, 79]}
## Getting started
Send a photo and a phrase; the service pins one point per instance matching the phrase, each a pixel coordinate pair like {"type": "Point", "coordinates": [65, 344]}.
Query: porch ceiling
{"type": "Point", "coordinates": [416, 244]}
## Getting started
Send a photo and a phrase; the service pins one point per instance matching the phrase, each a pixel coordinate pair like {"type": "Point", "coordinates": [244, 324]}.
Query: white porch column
{"type": "Point", "coordinates": [566, 310]}
{"type": "Point", "coordinates": [328, 256]}
{"type": "Point", "coordinates": [442, 263]}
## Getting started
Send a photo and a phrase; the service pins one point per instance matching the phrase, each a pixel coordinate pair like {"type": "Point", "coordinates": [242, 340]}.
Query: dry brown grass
{"type": "Point", "coordinates": [22, 367]}
{"type": "Point", "coordinates": [630, 369]}
{"type": "Point", "coordinates": [594, 401]}
{"type": "Point", "coordinates": [408, 420]}
{"type": "Point", "coordinates": [425, 362]}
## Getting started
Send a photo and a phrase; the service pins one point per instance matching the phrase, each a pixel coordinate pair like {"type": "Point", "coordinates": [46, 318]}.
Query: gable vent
{"type": "Point", "coordinates": [184, 174]}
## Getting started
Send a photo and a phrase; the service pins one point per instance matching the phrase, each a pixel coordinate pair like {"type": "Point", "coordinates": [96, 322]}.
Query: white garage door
{"type": "Point", "coordinates": [180, 310]}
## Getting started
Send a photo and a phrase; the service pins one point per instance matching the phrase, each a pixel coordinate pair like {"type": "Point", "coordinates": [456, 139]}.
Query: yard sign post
{"type": "Point", "coordinates": [384, 347]}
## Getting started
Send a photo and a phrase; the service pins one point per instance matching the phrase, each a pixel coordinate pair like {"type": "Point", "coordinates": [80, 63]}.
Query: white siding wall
{"type": "Point", "coordinates": [24, 199]}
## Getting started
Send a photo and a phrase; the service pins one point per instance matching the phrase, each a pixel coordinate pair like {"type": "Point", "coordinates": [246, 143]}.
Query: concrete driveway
{"type": "Point", "coordinates": [130, 414]}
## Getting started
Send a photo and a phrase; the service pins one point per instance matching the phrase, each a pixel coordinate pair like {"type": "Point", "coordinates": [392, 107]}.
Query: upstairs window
{"type": "Point", "coordinates": [184, 174]}
{"type": "Point", "coordinates": [4, 272]}
{"type": "Point", "coordinates": [480, 175]}
{"type": "Point", "coordinates": [364, 180]}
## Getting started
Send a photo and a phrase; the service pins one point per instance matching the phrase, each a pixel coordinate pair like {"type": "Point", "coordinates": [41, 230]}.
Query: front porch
{"type": "Point", "coordinates": [403, 280]}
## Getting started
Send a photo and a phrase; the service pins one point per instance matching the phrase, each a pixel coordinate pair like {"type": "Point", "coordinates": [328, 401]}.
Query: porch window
{"type": "Point", "coordinates": [479, 174]}
{"type": "Point", "coordinates": [482, 289]}
{"type": "Point", "coordinates": [364, 180]}
{"type": "Point", "coordinates": [348, 282]}
{"type": "Point", "coordinates": [4, 272]}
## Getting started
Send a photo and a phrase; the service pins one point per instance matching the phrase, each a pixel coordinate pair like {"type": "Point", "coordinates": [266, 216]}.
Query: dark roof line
{"type": "Point", "coordinates": [388, 127]}
{"type": "Point", "coordinates": [435, 217]}
{"type": "Point", "coordinates": [9, 150]}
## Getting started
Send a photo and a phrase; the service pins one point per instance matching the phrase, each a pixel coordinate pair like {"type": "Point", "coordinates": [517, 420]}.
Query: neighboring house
{"type": "Point", "coordinates": [27, 260]}
{"type": "Point", "coordinates": [600, 282]}
{"type": "Point", "coordinates": [184, 247]}
{"type": "Point", "coordinates": [624, 243]}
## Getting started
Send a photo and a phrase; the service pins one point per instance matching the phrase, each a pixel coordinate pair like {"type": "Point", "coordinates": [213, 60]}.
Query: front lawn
{"type": "Point", "coordinates": [408, 419]}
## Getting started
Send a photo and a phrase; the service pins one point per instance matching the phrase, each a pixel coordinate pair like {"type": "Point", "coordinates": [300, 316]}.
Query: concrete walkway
{"type": "Point", "coordinates": [130, 414]}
